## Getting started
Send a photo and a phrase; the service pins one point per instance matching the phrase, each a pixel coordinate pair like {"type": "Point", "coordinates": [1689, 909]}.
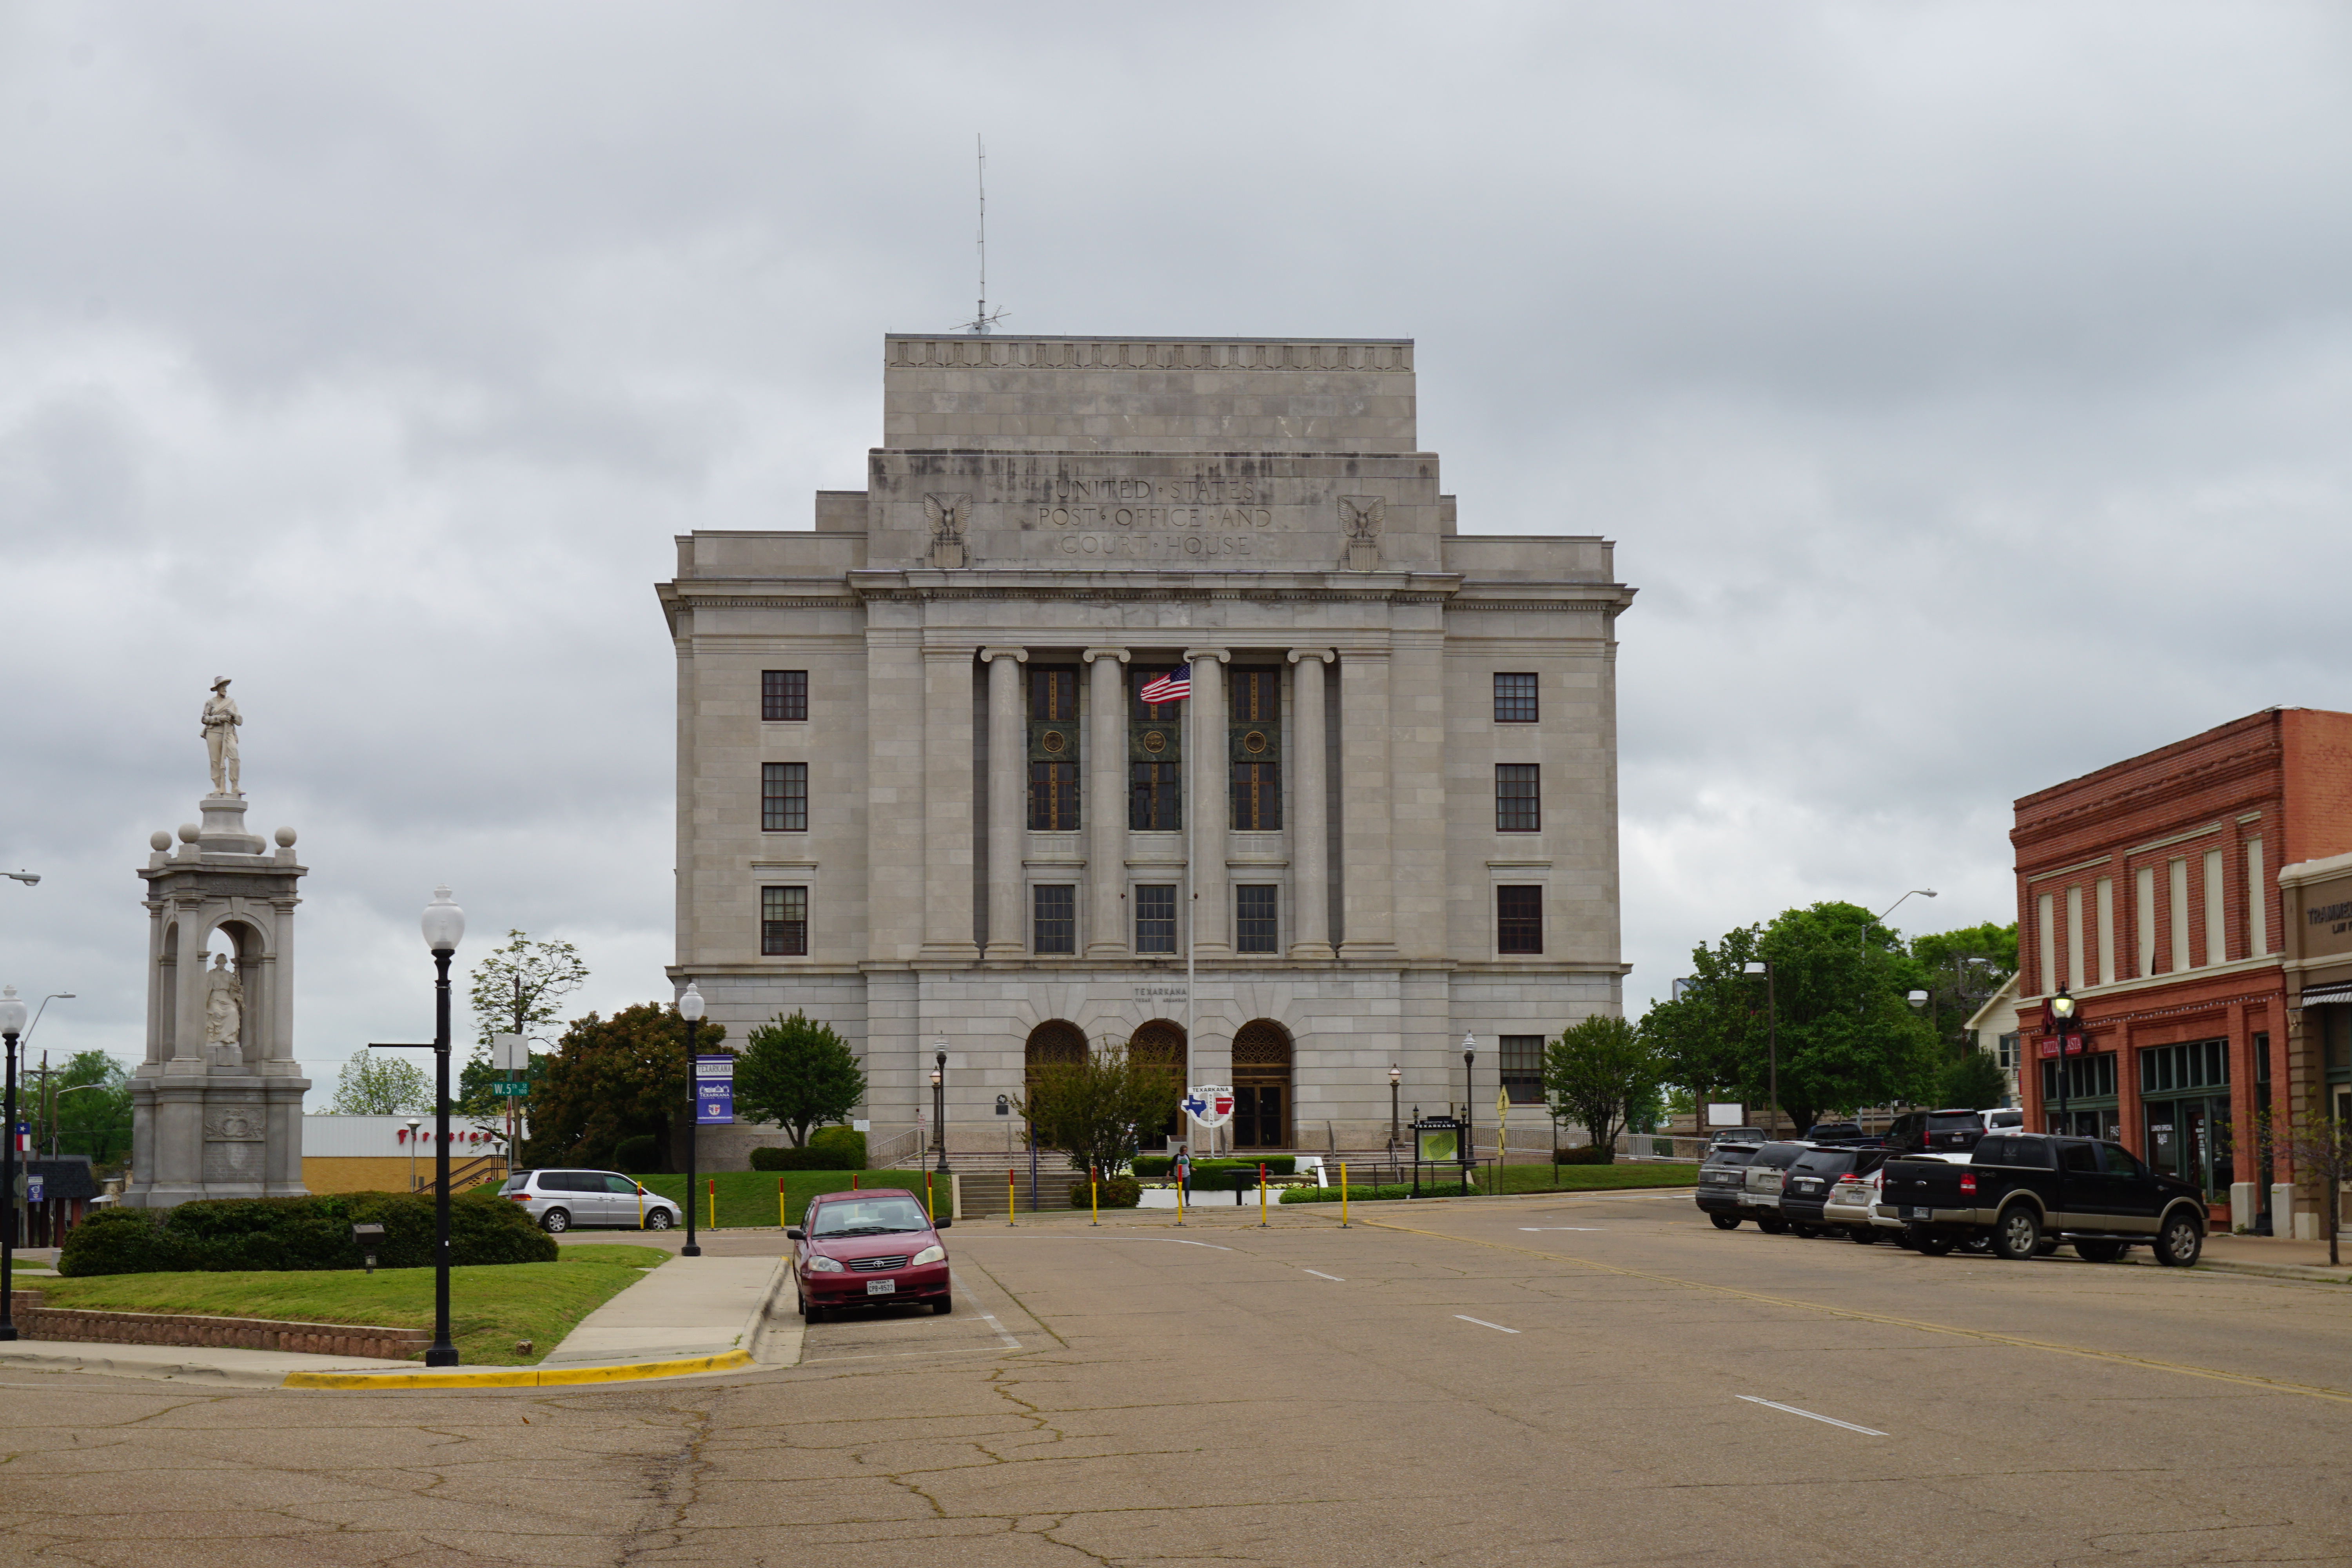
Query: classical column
{"type": "Point", "coordinates": [1209, 800]}
{"type": "Point", "coordinates": [1106, 801]}
{"type": "Point", "coordinates": [1310, 889]}
{"type": "Point", "coordinates": [1367, 836]}
{"type": "Point", "coordinates": [947, 847]}
{"type": "Point", "coordinates": [1007, 824]}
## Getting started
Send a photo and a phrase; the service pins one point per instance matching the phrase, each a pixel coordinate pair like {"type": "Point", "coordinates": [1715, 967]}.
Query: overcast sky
{"type": "Point", "coordinates": [1967, 387]}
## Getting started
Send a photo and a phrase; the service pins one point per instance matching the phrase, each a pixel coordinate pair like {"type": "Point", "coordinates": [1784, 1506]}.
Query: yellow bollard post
{"type": "Point", "coordinates": [1094, 1195]}
{"type": "Point", "coordinates": [1343, 1195]}
{"type": "Point", "coordinates": [1179, 1200]}
{"type": "Point", "coordinates": [1261, 1195]}
{"type": "Point", "coordinates": [781, 1220]}
{"type": "Point", "coordinates": [641, 1205]}
{"type": "Point", "coordinates": [714, 1204]}
{"type": "Point", "coordinates": [1011, 1198]}
{"type": "Point", "coordinates": [930, 1203]}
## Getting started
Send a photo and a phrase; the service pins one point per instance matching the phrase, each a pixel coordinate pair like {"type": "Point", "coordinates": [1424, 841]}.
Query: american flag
{"type": "Point", "coordinates": [1174, 687]}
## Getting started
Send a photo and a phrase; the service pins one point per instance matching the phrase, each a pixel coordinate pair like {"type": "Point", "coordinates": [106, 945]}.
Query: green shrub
{"type": "Point", "coordinates": [1590, 1154]}
{"type": "Point", "coordinates": [1153, 1167]}
{"type": "Point", "coordinates": [636, 1154]}
{"type": "Point", "coordinates": [1119, 1192]}
{"type": "Point", "coordinates": [849, 1142]}
{"type": "Point", "coordinates": [296, 1234]}
{"type": "Point", "coordinates": [1358, 1194]}
{"type": "Point", "coordinates": [780, 1157]}
{"type": "Point", "coordinates": [1157, 1167]}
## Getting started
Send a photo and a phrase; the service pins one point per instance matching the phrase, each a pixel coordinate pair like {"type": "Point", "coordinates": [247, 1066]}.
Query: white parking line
{"type": "Point", "coordinates": [1320, 1275]}
{"type": "Point", "coordinates": [1832, 1420]}
{"type": "Point", "coordinates": [1591, 1230]}
{"type": "Point", "coordinates": [1485, 1324]}
{"type": "Point", "coordinates": [988, 1317]}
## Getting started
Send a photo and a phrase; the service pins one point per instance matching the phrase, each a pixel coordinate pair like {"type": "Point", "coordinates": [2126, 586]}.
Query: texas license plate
{"type": "Point", "coordinates": [881, 1286]}
{"type": "Point", "coordinates": [1919, 1213]}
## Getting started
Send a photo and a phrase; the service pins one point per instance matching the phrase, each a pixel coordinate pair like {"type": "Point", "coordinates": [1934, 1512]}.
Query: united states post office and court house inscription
{"type": "Point", "coordinates": [919, 797]}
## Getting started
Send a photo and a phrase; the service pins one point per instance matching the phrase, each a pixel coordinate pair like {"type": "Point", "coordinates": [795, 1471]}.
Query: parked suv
{"type": "Point", "coordinates": [1954, 1131]}
{"type": "Point", "coordinates": [1805, 1192]}
{"type": "Point", "coordinates": [565, 1200]}
{"type": "Point", "coordinates": [1722, 1184]}
{"type": "Point", "coordinates": [1841, 1134]}
{"type": "Point", "coordinates": [1766, 1176]}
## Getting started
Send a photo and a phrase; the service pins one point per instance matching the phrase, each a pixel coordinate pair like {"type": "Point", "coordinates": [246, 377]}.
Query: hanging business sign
{"type": "Point", "coordinates": [714, 1090]}
{"type": "Point", "coordinates": [2050, 1044]}
{"type": "Point", "coordinates": [1210, 1105]}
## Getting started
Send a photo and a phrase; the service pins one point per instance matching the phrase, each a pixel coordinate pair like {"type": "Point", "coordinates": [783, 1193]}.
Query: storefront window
{"type": "Point", "coordinates": [2187, 1092]}
{"type": "Point", "coordinates": [2089, 1095]}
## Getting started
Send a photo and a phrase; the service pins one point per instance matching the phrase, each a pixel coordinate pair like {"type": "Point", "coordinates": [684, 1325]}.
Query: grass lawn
{"type": "Point", "coordinates": [1525, 1179]}
{"type": "Point", "coordinates": [490, 1306]}
{"type": "Point", "coordinates": [749, 1197]}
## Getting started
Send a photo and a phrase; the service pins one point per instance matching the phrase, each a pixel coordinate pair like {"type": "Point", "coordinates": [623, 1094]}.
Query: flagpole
{"type": "Point", "coordinates": [1191, 892]}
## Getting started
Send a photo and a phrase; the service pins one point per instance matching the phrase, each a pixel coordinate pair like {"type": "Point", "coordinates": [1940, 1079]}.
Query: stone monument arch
{"type": "Point", "coordinates": [216, 1105]}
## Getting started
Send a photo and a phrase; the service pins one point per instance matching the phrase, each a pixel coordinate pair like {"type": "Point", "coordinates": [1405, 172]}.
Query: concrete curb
{"type": "Point", "coordinates": [104, 1365]}
{"type": "Point", "coordinates": [523, 1376]}
{"type": "Point", "coordinates": [2319, 1276]}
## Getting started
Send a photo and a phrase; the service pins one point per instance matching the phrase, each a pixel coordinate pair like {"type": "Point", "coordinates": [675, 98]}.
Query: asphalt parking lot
{"type": "Point", "coordinates": [1592, 1379]}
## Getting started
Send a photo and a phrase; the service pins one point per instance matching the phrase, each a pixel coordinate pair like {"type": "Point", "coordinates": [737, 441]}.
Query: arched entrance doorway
{"type": "Point", "coordinates": [1163, 1042]}
{"type": "Point", "coordinates": [1056, 1042]}
{"type": "Point", "coordinates": [1262, 1086]}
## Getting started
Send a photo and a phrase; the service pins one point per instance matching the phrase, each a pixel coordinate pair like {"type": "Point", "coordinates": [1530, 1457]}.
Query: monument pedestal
{"type": "Point", "coordinates": [217, 1107]}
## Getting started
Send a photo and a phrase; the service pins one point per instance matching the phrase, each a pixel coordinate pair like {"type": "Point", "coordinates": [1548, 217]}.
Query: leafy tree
{"type": "Point", "coordinates": [1603, 1073]}
{"type": "Point", "coordinates": [1960, 968]}
{"type": "Point", "coordinates": [1975, 1080]}
{"type": "Point", "coordinates": [370, 1085]}
{"type": "Point", "coordinates": [1846, 1036]}
{"type": "Point", "coordinates": [514, 991]}
{"type": "Point", "coordinates": [1097, 1109]}
{"type": "Point", "coordinates": [90, 1108]}
{"type": "Point", "coordinates": [798, 1075]}
{"type": "Point", "coordinates": [610, 1079]}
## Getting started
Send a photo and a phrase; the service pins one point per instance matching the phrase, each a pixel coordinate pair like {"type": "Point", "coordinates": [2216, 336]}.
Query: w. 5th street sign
{"type": "Point", "coordinates": [511, 1088]}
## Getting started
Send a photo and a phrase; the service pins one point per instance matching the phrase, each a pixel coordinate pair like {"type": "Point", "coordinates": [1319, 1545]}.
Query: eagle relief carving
{"type": "Point", "coordinates": [1363, 515]}
{"type": "Point", "coordinates": [949, 514]}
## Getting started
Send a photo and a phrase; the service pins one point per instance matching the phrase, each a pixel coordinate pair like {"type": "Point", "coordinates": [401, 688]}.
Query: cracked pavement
{"type": "Point", "coordinates": [1140, 1394]}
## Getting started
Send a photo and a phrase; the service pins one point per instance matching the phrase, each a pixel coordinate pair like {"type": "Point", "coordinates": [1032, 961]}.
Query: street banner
{"type": "Point", "coordinates": [714, 1090]}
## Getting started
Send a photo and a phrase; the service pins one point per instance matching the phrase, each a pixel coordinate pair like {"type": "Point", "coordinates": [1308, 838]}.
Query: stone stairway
{"type": "Point", "coordinates": [982, 1177]}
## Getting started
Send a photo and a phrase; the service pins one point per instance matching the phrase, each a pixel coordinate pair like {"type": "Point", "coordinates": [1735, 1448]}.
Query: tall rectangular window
{"type": "Point", "coordinates": [784, 922]}
{"type": "Point", "coordinates": [1053, 797]}
{"type": "Point", "coordinates": [2074, 939]}
{"type": "Point", "coordinates": [783, 797]}
{"type": "Point", "coordinates": [2144, 917]}
{"type": "Point", "coordinates": [1055, 922]}
{"type": "Point", "coordinates": [2217, 933]}
{"type": "Point", "coordinates": [1253, 919]}
{"type": "Point", "coordinates": [784, 694]}
{"type": "Point", "coordinates": [1523, 1069]}
{"type": "Point", "coordinates": [1515, 698]}
{"type": "Point", "coordinates": [1157, 798]}
{"type": "Point", "coordinates": [2178, 866]}
{"type": "Point", "coordinates": [1155, 920]}
{"type": "Point", "coordinates": [1257, 798]}
{"type": "Point", "coordinates": [1518, 805]}
{"type": "Point", "coordinates": [1518, 920]}
{"type": "Point", "coordinates": [1053, 749]}
{"type": "Point", "coordinates": [2258, 915]}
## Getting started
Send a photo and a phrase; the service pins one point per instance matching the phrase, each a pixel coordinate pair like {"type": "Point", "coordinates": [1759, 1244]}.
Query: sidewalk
{"type": "Point", "coordinates": [689, 1316]}
{"type": "Point", "coordinates": [2276, 1257]}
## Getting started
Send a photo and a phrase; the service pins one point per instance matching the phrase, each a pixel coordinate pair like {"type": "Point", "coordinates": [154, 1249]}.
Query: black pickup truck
{"type": "Point", "coordinates": [2018, 1188]}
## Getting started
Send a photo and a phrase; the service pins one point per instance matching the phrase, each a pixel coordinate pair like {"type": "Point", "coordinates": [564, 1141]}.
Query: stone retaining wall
{"type": "Point", "coordinates": [35, 1321]}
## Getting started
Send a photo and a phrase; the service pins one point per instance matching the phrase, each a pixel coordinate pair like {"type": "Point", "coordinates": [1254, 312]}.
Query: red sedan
{"type": "Point", "coordinates": [868, 1249]}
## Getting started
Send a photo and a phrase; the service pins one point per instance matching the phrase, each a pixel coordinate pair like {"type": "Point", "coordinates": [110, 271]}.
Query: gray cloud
{"type": "Point", "coordinates": [1965, 385]}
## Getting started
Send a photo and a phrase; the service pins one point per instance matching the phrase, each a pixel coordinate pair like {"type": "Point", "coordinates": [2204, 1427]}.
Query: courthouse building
{"type": "Point", "coordinates": [923, 798]}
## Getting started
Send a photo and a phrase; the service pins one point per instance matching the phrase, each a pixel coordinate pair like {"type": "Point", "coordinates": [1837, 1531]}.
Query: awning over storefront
{"type": "Point", "coordinates": [2317, 995]}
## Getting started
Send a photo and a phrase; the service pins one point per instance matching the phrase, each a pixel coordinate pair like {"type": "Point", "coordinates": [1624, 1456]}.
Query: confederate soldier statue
{"type": "Point", "coordinates": [221, 720]}
{"type": "Point", "coordinates": [224, 1011]}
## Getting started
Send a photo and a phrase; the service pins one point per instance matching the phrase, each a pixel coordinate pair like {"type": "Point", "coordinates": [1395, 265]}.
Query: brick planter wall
{"type": "Point", "coordinates": [34, 1321]}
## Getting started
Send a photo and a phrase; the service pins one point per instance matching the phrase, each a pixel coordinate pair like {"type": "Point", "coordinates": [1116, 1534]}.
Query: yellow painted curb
{"type": "Point", "coordinates": [521, 1376]}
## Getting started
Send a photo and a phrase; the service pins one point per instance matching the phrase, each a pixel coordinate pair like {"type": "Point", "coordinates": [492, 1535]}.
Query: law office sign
{"type": "Point", "coordinates": [714, 1090]}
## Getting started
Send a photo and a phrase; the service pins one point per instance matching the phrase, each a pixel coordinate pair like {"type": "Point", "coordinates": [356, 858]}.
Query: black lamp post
{"type": "Point", "coordinates": [1469, 1107]}
{"type": "Point", "coordinates": [1396, 1077]}
{"type": "Point", "coordinates": [690, 1007]}
{"type": "Point", "coordinates": [940, 1101]}
{"type": "Point", "coordinates": [1772, 1040]}
{"type": "Point", "coordinates": [444, 925]}
{"type": "Point", "coordinates": [12, 1025]}
{"type": "Point", "coordinates": [2064, 1011]}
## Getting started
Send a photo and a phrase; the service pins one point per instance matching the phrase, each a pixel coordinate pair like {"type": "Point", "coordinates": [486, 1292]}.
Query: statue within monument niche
{"type": "Point", "coordinates": [216, 1106]}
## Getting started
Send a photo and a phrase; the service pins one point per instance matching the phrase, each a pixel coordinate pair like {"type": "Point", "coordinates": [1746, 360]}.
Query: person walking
{"type": "Point", "coordinates": [1182, 1171]}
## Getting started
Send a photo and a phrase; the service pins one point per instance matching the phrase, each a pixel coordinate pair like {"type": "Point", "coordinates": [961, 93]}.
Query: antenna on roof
{"type": "Point", "coordinates": [982, 319]}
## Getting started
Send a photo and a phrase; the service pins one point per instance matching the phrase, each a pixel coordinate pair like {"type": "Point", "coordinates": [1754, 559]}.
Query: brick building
{"type": "Point", "coordinates": [2149, 891]}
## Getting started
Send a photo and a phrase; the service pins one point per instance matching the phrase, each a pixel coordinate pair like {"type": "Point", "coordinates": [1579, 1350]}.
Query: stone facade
{"type": "Point", "coordinates": [918, 723]}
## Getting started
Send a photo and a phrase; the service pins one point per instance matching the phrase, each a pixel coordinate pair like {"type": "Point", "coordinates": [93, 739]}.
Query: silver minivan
{"type": "Point", "coordinates": [566, 1200]}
